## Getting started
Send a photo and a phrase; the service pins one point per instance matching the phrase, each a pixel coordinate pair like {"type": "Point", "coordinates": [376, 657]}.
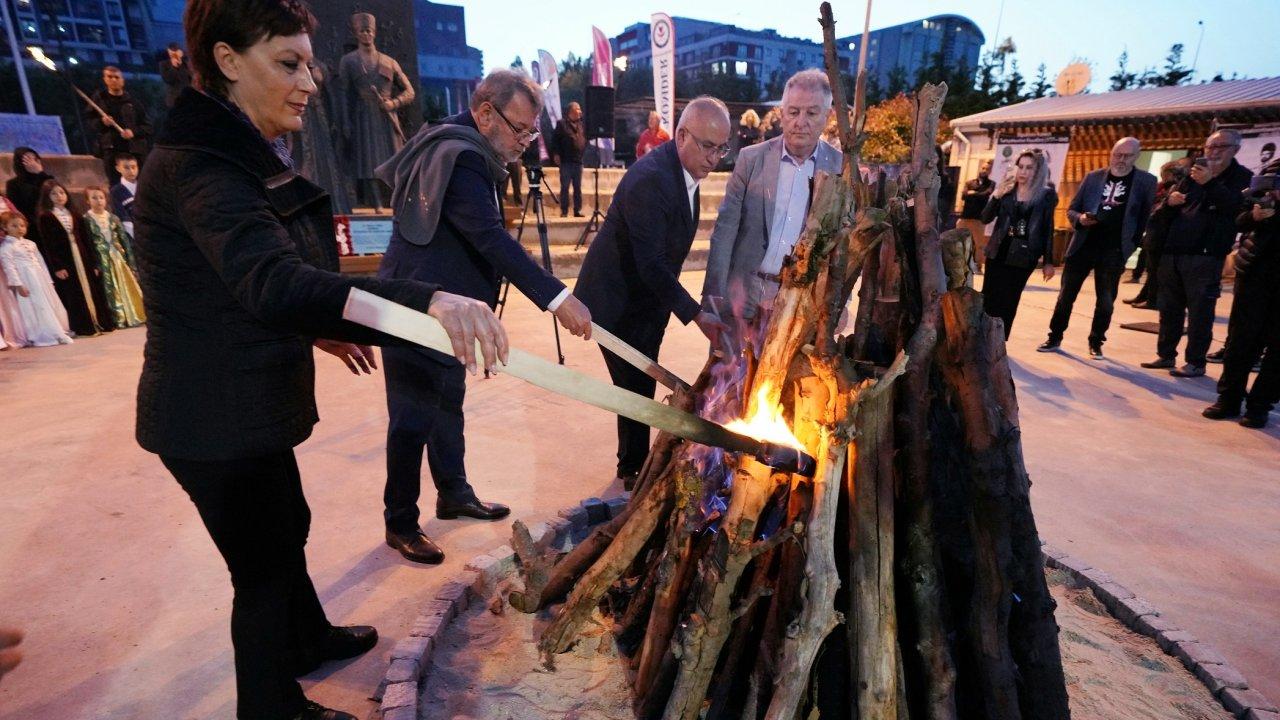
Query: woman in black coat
{"type": "Point", "coordinates": [238, 267]}
{"type": "Point", "coordinates": [72, 261]}
{"type": "Point", "coordinates": [1022, 207]}
{"type": "Point", "coordinates": [23, 189]}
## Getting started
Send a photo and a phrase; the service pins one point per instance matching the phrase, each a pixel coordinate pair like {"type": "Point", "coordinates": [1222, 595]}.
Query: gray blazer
{"type": "Point", "coordinates": [1142, 196]}
{"type": "Point", "coordinates": [741, 235]}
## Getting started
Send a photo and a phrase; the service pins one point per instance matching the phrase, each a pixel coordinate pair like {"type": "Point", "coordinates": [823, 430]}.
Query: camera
{"type": "Point", "coordinates": [533, 173]}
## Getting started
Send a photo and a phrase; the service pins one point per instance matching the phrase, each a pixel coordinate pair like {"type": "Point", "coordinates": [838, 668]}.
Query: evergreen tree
{"type": "Point", "coordinates": [1013, 83]}
{"type": "Point", "coordinates": [1041, 86]}
{"type": "Point", "coordinates": [1174, 73]}
{"type": "Point", "coordinates": [517, 64]}
{"type": "Point", "coordinates": [1122, 78]}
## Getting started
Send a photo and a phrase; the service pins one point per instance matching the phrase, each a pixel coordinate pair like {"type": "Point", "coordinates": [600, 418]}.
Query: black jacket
{"type": "Point", "coordinates": [176, 79]}
{"type": "Point", "coordinates": [569, 141]}
{"type": "Point", "coordinates": [1039, 241]}
{"type": "Point", "coordinates": [1206, 223]}
{"type": "Point", "coordinates": [237, 261]}
{"type": "Point", "coordinates": [633, 265]}
{"type": "Point", "coordinates": [1137, 209]}
{"type": "Point", "coordinates": [130, 113]}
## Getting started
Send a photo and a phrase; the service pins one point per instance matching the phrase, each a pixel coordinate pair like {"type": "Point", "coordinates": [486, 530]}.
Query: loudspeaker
{"type": "Point", "coordinates": [598, 115]}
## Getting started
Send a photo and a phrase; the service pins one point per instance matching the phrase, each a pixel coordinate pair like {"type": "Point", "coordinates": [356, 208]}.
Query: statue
{"type": "Point", "coordinates": [373, 88]}
{"type": "Point", "coordinates": [313, 147]}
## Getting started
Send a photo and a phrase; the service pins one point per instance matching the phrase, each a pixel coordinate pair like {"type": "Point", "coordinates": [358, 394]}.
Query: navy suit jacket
{"type": "Point", "coordinates": [633, 266]}
{"type": "Point", "coordinates": [1142, 196]}
{"type": "Point", "coordinates": [471, 250]}
{"type": "Point", "coordinates": [122, 202]}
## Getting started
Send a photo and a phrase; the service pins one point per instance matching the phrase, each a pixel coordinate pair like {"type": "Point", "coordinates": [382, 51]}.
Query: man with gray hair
{"type": "Point", "coordinates": [631, 276]}
{"type": "Point", "coordinates": [1205, 205]}
{"type": "Point", "coordinates": [449, 230]}
{"type": "Point", "coordinates": [1109, 213]}
{"type": "Point", "coordinates": [766, 201]}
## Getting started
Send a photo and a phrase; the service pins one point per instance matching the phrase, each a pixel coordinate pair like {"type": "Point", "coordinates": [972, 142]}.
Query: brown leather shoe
{"type": "Point", "coordinates": [472, 509]}
{"type": "Point", "coordinates": [416, 547]}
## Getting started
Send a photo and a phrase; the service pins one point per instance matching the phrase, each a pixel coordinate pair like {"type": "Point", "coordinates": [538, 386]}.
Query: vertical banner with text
{"type": "Point", "coordinates": [544, 73]}
{"type": "Point", "coordinates": [602, 75]}
{"type": "Point", "coordinates": [662, 39]}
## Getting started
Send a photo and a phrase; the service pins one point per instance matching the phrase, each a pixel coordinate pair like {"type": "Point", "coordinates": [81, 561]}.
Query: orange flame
{"type": "Point", "coordinates": [766, 422]}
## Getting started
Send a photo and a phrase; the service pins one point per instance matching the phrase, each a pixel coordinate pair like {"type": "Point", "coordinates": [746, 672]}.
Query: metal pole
{"type": "Point", "coordinates": [17, 57]}
{"type": "Point", "coordinates": [1196, 60]}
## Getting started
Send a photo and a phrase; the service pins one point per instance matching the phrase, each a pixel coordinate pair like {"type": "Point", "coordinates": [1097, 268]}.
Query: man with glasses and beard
{"type": "Point", "coordinates": [1205, 206]}
{"type": "Point", "coordinates": [449, 231]}
{"type": "Point", "coordinates": [631, 276]}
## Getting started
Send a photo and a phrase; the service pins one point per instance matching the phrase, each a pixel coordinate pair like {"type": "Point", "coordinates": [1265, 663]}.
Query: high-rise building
{"type": "Point", "coordinates": [125, 33]}
{"type": "Point", "coordinates": [770, 58]}
{"type": "Point", "coordinates": [448, 68]}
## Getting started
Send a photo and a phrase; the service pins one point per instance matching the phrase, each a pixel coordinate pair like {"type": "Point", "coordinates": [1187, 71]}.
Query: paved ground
{"type": "Point", "coordinates": [103, 560]}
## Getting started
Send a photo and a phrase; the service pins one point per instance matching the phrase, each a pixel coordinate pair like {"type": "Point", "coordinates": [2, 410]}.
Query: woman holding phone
{"type": "Point", "coordinates": [1022, 207]}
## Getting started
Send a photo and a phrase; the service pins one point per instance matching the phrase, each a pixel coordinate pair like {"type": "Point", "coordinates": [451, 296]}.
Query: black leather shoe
{"type": "Point", "coordinates": [416, 547]}
{"type": "Point", "coordinates": [1049, 345]}
{"type": "Point", "coordinates": [472, 509]}
{"type": "Point", "coordinates": [629, 480]}
{"type": "Point", "coordinates": [1222, 410]}
{"type": "Point", "coordinates": [1145, 306]}
{"type": "Point", "coordinates": [1095, 351]}
{"type": "Point", "coordinates": [1159, 364]}
{"type": "Point", "coordinates": [1217, 356]}
{"type": "Point", "coordinates": [349, 641]}
{"type": "Point", "coordinates": [1188, 371]}
{"type": "Point", "coordinates": [1255, 418]}
{"type": "Point", "coordinates": [316, 711]}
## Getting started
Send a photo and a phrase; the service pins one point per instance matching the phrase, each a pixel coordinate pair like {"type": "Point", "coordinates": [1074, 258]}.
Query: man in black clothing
{"type": "Point", "coordinates": [175, 73]}
{"type": "Point", "coordinates": [1200, 237]}
{"type": "Point", "coordinates": [1109, 213]}
{"type": "Point", "coordinates": [568, 145]}
{"type": "Point", "coordinates": [1254, 327]}
{"type": "Point", "coordinates": [125, 126]}
{"type": "Point", "coordinates": [974, 198]}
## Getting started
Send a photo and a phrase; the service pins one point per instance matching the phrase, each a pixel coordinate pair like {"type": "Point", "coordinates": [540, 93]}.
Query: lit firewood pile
{"type": "Point", "coordinates": [904, 579]}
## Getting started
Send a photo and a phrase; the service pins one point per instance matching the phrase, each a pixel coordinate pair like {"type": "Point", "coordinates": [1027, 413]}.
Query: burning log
{"type": "Point", "coordinates": [729, 581]}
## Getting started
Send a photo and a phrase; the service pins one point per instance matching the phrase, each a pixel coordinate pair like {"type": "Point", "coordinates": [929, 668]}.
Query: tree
{"type": "Point", "coordinates": [888, 128]}
{"type": "Point", "coordinates": [1041, 86]}
{"type": "Point", "coordinates": [1013, 83]}
{"type": "Point", "coordinates": [1122, 78]}
{"type": "Point", "coordinates": [1174, 73]}
{"type": "Point", "coordinates": [517, 64]}
{"type": "Point", "coordinates": [897, 81]}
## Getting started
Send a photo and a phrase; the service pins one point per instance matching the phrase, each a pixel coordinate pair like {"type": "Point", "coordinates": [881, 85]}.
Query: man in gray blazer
{"type": "Point", "coordinates": [1109, 213]}
{"type": "Point", "coordinates": [766, 201]}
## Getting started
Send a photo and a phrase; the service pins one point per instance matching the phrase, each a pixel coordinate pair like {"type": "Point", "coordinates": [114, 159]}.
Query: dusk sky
{"type": "Point", "coordinates": [1239, 36]}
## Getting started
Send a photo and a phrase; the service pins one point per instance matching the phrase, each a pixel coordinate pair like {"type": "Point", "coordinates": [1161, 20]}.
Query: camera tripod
{"type": "Point", "coordinates": [533, 198]}
{"type": "Point", "coordinates": [593, 223]}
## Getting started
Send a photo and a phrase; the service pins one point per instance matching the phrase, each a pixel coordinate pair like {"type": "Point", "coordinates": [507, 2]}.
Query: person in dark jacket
{"type": "Point", "coordinates": [73, 263]}
{"type": "Point", "coordinates": [1254, 325]}
{"type": "Point", "coordinates": [23, 189]}
{"type": "Point", "coordinates": [239, 269]}
{"type": "Point", "coordinates": [630, 278]}
{"type": "Point", "coordinates": [1109, 213]}
{"type": "Point", "coordinates": [124, 128]}
{"type": "Point", "coordinates": [449, 230]}
{"type": "Point", "coordinates": [1199, 239]}
{"type": "Point", "coordinates": [175, 73]}
{"type": "Point", "coordinates": [1022, 207]}
{"type": "Point", "coordinates": [1171, 174]}
{"type": "Point", "coordinates": [568, 143]}
{"type": "Point", "coordinates": [973, 201]}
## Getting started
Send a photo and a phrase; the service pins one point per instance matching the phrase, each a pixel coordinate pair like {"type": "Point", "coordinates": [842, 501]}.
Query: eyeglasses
{"type": "Point", "coordinates": [1219, 146]}
{"type": "Point", "coordinates": [524, 136]}
{"type": "Point", "coordinates": [710, 149]}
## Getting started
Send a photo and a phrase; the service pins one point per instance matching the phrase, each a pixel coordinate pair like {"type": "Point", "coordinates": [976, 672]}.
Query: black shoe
{"type": "Point", "coordinates": [1159, 364]}
{"type": "Point", "coordinates": [472, 509]}
{"type": "Point", "coordinates": [1049, 345]}
{"type": "Point", "coordinates": [316, 711]}
{"type": "Point", "coordinates": [1095, 351]}
{"type": "Point", "coordinates": [1136, 300]}
{"type": "Point", "coordinates": [1145, 306]}
{"type": "Point", "coordinates": [1188, 371]}
{"type": "Point", "coordinates": [578, 214]}
{"type": "Point", "coordinates": [628, 480]}
{"type": "Point", "coordinates": [416, 547]}
{"type": "Point", "coordinates": [1222, 410]}
{"type": "Point", "coordinates": [1254, 419]}
{"type": "Point", "coordinates": [349, 641]}
{"type": "Point", "coordinates": [1217, 356]}
{"type": "Point", "coordinates": [564, 214]}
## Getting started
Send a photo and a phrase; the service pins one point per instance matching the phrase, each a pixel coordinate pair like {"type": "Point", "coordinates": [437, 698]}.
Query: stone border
{"type": "Point", "coordinates": [399, 689]}
{"type": "Point", "coordinates": [410, 658]}
{"type": "Point", "coordinates": [1223, 681]}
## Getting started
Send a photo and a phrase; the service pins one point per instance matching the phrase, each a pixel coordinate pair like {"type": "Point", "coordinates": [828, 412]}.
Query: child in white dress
{"type": "Point", "coordinates": [39, 311]}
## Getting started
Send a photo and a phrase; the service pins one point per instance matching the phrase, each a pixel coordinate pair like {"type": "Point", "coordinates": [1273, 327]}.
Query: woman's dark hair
{"type": "Point", "coordinates": [20, 152]}
{"type": "Point", "coordinates": [240, 24]}
{"type": "Point", "coordinates": [46, 204]}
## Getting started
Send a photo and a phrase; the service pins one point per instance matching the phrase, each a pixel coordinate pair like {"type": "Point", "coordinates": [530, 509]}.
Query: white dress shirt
{"type": "Point", "coordinates": [790, 205]}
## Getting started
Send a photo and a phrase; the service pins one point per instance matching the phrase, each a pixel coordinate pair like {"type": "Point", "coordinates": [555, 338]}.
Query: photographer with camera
{"type": "Point", "coordinates": [1254, 326]}
{"type": "Point", "coordinates": [1195, 249]}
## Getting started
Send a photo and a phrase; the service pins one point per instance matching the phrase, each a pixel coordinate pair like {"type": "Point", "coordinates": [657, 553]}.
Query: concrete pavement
{"type": "Point", "coordinates": [125, 602]}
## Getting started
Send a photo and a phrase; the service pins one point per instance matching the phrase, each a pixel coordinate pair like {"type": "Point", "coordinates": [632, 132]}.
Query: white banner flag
{"type": "Point", "coordinates": [662, 40]}
{"type": "Point", "coordinates": [550, 82]}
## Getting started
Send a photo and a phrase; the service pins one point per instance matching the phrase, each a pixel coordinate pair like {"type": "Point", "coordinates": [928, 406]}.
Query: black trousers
{"type": "Point", "coordinates": [1254, 327]}
{"type": "Point", "coordinates": [1150, 292]}
{"type": "Point", "coordinates": [1002, 287]}
{"type": "Point", "coordinates": [570, 173]}
{"type": "Point", "coordinates": [256, 514]}
{"type": "Point", "coordinates": [1189, 290]}
{"type": "Point", "coordinates": [514, 172]}
{"type": "Point", "coordinates": [424, 403]}
{"type": "Point", "coordinates": [1106, 283]}
{"type": "Point", "coordinates": [633, 437]}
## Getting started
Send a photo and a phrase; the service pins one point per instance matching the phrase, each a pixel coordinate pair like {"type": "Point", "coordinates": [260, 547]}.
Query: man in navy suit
{"type": "Point", "coordinates": [1109, 213]}
{"type": "Point", "coordinates": [631, 276]}
{"type": "Point", "coordinates": [449, 231]}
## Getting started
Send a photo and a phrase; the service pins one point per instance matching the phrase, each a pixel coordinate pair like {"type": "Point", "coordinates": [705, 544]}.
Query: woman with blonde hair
{"type": "Point", "coordinates": [1022, 207]}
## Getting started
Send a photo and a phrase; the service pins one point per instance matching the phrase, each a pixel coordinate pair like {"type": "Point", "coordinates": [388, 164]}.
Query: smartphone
{"type": "Point", "coordinates": [1201, 162]}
